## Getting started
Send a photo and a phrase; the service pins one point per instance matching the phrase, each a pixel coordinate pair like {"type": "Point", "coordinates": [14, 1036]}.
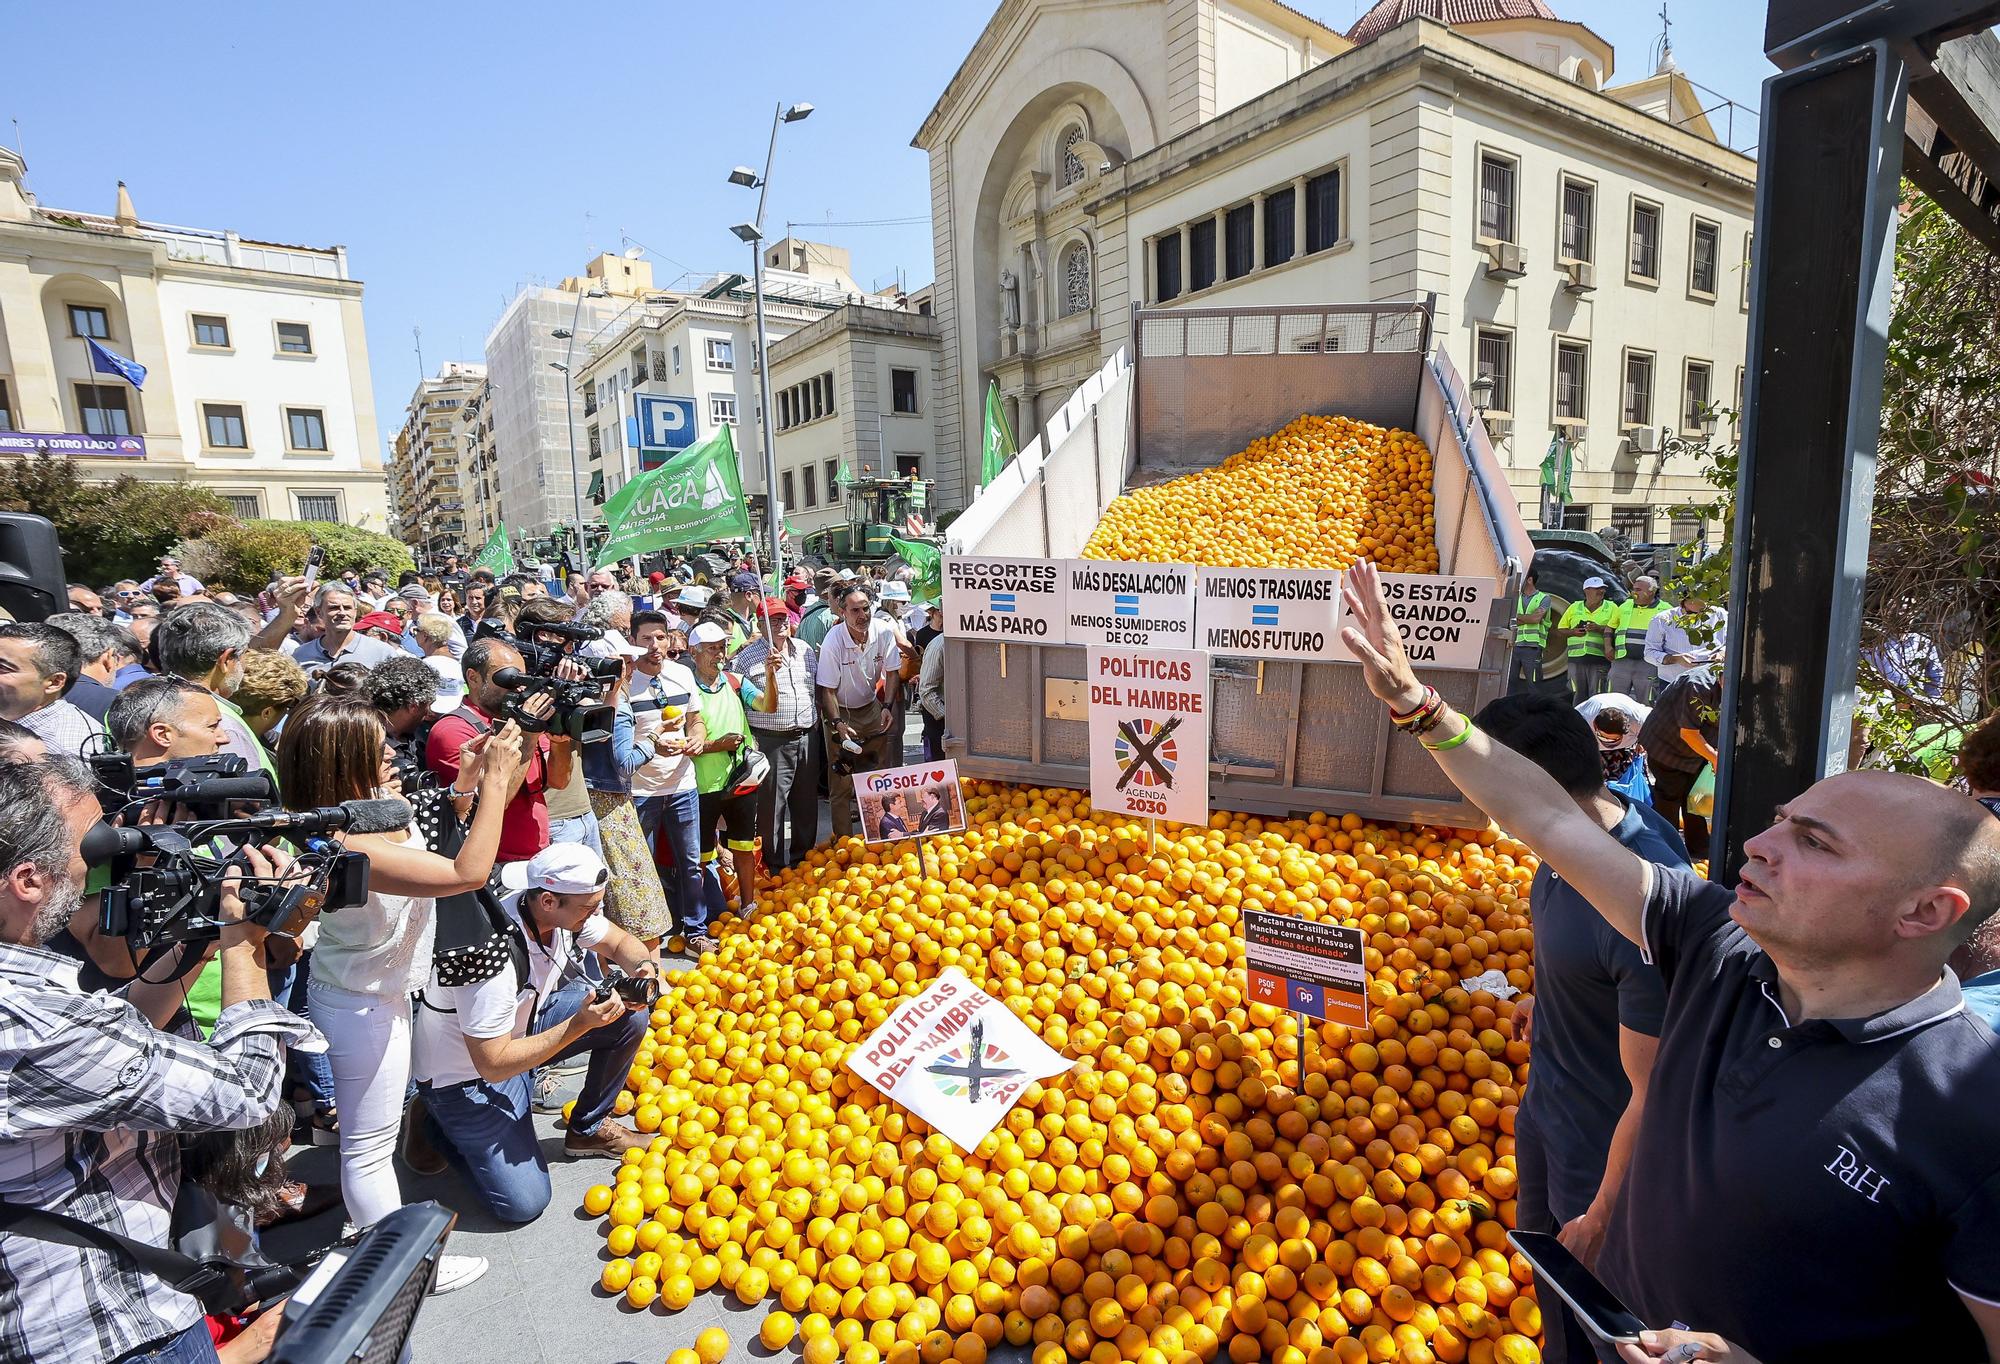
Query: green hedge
{"type": "Point", "coordinates": [247, 555]}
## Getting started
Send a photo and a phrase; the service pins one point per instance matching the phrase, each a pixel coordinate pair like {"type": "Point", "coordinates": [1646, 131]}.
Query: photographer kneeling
{"type": "Point", "coordinates": [478, 1042]}
{"type": "Point", "coordinates": [97, 1098]}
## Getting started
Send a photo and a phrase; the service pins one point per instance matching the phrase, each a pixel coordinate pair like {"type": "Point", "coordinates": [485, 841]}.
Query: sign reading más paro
{"type": "Point", "coordinates": [1009, 600]}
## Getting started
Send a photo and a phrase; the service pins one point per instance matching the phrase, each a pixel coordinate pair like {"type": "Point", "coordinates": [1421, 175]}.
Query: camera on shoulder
{"type": "Point", "coordinates": [580, 711]}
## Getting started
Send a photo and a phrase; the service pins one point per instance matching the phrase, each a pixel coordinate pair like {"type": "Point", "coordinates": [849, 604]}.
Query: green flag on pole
{"type": "Point", "coordinates": [496, 554]}
{"type": "Point", "coordinates": [695, 496]}
{"type": "Point", "coordinates": [999, 444]}
{"type": "Point", "coordinates": [925, 561]}
{"type": "Point", "coordinates": [1556, 468]}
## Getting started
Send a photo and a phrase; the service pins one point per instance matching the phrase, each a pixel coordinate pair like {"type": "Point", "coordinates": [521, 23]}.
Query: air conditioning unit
{"type": "Point", "coordinates": [1503, 260]}
{"type": "Point", "coordinates": [1582, 276]}
{"type": "Point", "coordinates": [1646, 440]}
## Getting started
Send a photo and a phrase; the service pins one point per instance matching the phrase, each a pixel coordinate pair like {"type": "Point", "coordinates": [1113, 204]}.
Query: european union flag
{"type": "Point", "coordinates": [110, 362]}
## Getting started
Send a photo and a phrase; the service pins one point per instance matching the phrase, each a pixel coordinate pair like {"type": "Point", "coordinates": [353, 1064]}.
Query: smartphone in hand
{"type": "Point", "coordinates": [314, 558]}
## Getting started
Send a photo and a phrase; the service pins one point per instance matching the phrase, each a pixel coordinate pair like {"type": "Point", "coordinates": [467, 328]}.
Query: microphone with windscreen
{"type": "Point", "coordinates": [105, 842]}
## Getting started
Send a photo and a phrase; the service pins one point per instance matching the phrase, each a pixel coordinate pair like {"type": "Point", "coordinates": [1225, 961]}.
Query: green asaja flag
{"type": "Point", "coordinates": [693, 497]}
{"type": "Point", "coordinates": [924, 559]}
{"type": "Point", "coordinates": [999, 445]}
{"type": "Point", "coordinates": [497, 553]}
{"type": "Point", "coordinates": [1556, 468]}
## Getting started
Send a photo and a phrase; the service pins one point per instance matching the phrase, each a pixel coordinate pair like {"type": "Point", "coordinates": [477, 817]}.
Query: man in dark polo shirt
{"type": "Point", "coordinates": [1817, 1173]}
{"type": "Point", "coordinates": [1595, 1013]}
{"type": "Point", "coordinates": [524, 830]}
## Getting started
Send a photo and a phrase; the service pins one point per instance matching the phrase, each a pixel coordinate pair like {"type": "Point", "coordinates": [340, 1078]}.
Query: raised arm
{"type": "Point", "coordinates": [1518, 795]}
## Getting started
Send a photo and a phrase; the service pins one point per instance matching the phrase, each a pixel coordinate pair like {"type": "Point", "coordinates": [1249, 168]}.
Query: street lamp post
{"type": "Point", "coordinates": [752, 234]}
{"type": "Point", "coordinates": [569, 397]}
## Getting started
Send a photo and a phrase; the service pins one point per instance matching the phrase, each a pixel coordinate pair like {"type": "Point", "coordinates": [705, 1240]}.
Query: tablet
{"type": "Point", "coordinates": [1593, 1303]}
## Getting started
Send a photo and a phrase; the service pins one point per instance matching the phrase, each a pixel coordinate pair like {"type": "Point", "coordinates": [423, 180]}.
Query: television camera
{"type": "Point", "coordinates": [580, 709]}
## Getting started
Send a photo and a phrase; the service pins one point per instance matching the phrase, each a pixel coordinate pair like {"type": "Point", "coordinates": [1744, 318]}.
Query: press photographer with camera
{"type": "Point", "coordinates": [524, 829]}
{"type": "Point", "coordinates": [98, 1098]}
{"type": "Point", "coordinates": [547, 626]}
{"type": "Point", "coordinates": [479, 1040]}
{"type": "Point", "coordinates": [371, 958]}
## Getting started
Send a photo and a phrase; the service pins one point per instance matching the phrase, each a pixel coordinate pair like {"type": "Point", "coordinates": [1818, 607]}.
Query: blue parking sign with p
{"type": "Point", "coordinates": [662, 422]}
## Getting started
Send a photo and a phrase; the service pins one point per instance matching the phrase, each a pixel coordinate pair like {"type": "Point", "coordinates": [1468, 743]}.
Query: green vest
{"type": "Point", "coordinates": [1535, 636]}
{"type": "Point", "coordinates": [1586, 643]}
{"type": "Point", "coordinates": [1632, 622]}
{"type": "Point", "coordinates": [721, 713]}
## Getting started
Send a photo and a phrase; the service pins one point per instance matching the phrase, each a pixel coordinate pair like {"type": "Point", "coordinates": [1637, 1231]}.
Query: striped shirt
{"type": "Point", "coordinates": [673, 687]}
{"type": "Point", "coordinates": [798, 702]}
{"type": "Point", "coordinates": [93, 1099]}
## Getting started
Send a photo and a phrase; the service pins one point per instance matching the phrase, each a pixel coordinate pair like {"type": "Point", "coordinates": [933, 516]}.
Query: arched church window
{"type": "Point", "coordinates": [1076, 280]}
{"type": "Point", "coordinates": [1072, 165]}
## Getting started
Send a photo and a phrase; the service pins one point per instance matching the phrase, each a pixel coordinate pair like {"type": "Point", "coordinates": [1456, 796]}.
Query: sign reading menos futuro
{"type": "Point", "coordinates": [1269, 612]}
{"type": "Point", "coordinates": [1443, 620]}
{"type": "Point", "coordinates": [986, 597]}
{"type": "Point", "coordinates": [1147, 605]}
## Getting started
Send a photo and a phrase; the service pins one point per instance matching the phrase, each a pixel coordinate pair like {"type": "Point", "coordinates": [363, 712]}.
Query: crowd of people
{"type": "Point", "coordinates": [576, 760]}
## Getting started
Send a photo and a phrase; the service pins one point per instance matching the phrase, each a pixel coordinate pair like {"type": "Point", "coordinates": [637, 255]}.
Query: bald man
{"type": "Point", "coordinates": [1820, 1085]}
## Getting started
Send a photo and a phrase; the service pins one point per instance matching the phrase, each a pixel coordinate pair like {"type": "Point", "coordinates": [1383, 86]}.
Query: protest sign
{"type": "Point", "coordinates": [1150, 605]}
{"type": "Point", "coordinates": [956, 1057]}
{"type": "Point", "coordinates": [1149, 733]}
{"type": "Point", "coordinates": [1269, 612]}
{"type": "Point", "coordinates": [1307, 966]}
{"type": "Point", "coordinates": [1008, 600]}
{"type": "Point", "coordinates": [910, 802]}
{"type": "Point", "coordinates": [1443, 620]}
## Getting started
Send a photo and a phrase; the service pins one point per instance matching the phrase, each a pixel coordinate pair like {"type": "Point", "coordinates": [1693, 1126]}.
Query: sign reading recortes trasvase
{"type": "Point", "coordinates": [1269, 612]}
{"type": "Point", "coordinates": [1114, 602]}
{"type": "Point", "coordinates": [990, 597]}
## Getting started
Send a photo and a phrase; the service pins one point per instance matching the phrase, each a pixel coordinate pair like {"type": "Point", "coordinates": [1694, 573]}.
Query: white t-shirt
{"type": "Point", "coordinates": [498, 1007]}
{"type": "Point", "coordinates": [382, 947]}
{"type": "Point", "coordinates": [667, 773]}
{"type": "Point", "coordinates": [854, 669]}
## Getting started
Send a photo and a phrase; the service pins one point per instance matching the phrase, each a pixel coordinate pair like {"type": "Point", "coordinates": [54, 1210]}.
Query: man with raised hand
{"type": "Point", "coordinates": [1819, 1079]}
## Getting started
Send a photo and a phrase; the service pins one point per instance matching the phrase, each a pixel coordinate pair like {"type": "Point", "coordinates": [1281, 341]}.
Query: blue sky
{"type": "Point", "coordinates": [460, 151]}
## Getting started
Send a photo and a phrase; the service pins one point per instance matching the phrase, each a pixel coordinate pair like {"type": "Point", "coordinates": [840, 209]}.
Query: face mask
{"type": "Point", "coordinates": [263, 1164]}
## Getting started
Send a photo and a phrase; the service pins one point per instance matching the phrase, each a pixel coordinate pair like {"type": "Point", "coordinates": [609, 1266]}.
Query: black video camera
{"type": "Point", "coordinates": [205, 785]}
{"type": "Point", "coordinates": [177, 895]}
{"type": "Point", "coordinates": [580, 709]}
{"type": "Point", "coordinates": [542, 658]}
{"type": "Point", "coordinates": [640, 991]}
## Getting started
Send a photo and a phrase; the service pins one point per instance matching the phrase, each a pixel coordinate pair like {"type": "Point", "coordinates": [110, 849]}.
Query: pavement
{"type": "Point", "coordinates": [539, 1301]}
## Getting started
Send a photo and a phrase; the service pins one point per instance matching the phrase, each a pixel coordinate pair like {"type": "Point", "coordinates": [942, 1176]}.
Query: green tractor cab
{"type": "Point", "coordinates": [877, 508]}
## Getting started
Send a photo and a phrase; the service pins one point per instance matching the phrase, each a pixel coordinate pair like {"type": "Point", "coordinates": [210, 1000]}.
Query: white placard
{"type": "Point", "coordinates": [909, 802]}
{"type": "Point", "coordinates": [986, 597]}
{"type": "Point", "coordinates": [1113, 602]}
{"type": "Point", "coordinates": [1443, 620]}
{"type": "Point", "coordinates": [1268, 612]}
{"type": "Point", "coordinates": [956, 1057]}
{"type": "Point", "coordinates": [1149, 733]}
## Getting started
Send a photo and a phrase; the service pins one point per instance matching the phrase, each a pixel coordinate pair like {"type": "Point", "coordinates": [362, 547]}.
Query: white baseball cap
{"type": "Point", "coordinates": [708, 632]}
{"type": "Point", "coordinates": [1597, 583]}
{"type": "Point", "coordinates": [621, 646]}
{"type": "Point", "coordinates": [565, 868]}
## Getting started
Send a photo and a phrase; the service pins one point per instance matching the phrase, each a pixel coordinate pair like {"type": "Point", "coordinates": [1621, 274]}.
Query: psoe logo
{"type": "Point", "coordinates": [1857, 1174]}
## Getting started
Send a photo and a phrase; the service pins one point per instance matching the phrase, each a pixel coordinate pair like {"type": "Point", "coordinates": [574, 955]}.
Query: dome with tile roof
{"type": "Point", "coordinates": [1389, 13]}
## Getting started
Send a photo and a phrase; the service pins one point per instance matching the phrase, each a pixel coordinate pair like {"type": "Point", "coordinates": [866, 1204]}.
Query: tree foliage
{"type": "Point", "coordinates": [1934, 542]}
{"type": "Point", "coordinates": [108, 531]}
{"type": "Point", "coordinates": [246, 555]}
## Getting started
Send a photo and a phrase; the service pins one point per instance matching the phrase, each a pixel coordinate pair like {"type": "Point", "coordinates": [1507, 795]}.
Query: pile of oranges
{"type": "Point", "coordinates": [1205, 1182]}
{"type": "Point", "coordinates": [1321, 493]}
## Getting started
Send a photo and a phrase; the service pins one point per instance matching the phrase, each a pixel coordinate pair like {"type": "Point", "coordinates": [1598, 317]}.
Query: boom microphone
{"type": "Point", "coordinates": [384, 816]}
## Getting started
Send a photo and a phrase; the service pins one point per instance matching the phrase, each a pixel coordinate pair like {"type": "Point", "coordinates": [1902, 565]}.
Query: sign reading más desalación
{"type": "Point", "coordinates": [1147, 605]}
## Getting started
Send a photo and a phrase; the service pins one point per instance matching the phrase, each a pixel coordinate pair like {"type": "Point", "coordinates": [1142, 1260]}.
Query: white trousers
{"type": "Point", "coordinates": [368, 1041]}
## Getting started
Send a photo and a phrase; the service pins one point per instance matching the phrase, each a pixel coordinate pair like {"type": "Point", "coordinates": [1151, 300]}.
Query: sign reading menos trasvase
{"type": "Point", "coordinates": [1269, 612]}
{"type": "Point", "coordinates": [988, 597]}
{"type": "Point", "coordinates": [1114, 602]}
{"type": "Point", "coordinates": [1443, 620]}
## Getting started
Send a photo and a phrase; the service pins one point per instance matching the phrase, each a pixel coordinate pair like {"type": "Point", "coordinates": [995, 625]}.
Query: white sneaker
{"type": "Point", "coordinates": [456, 1271]}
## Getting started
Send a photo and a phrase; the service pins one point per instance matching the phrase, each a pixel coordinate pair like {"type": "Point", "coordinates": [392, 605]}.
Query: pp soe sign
{"type": "Point", "coordinates": [1008, 600]}
{"type": "Point", "coordinates": [956, 1057]}
{"type": "Point", "coordinates": [910, 802]}
{"type": "Point", "coordinates": [1443, 620]}
{"type": "Point", "coordinates": [1268, 612]}
{"type": "Point", "coordinates": [1149, 733]}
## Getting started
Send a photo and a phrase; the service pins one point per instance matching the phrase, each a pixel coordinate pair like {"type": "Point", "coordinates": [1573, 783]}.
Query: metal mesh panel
{"type": "Point", "coordinates": [1208, 336]}
{"type": "Point", "coordinates": [1064, 741]}
{"type": "Point", "coordinates": [1399, 332]}
{"type": "Point", "coordinates": [1346, 333]}
{"type": "Point", "coordinates": [1335, 753]}
{"type": "Point", "coordinates": [1002, 710]}
{"type": "Point", "coordinates": [1162, 336]}
{"type": "Point", "coordinates": [1412, 772]}
{"type": "Point", "coordinates": [1256, 335]}
{"type": "Point", "coordinates": [1299, 332]}
{"type": "Point", "coordinates": [385, 1345]}
{"type": "Point", "coordinates": [1249, 729]}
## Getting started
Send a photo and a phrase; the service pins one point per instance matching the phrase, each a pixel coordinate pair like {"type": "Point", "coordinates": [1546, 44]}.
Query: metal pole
{"type": "Point", "coordinates": [771, 509]}
{"type": "Point", "coordinates": [569, 416]}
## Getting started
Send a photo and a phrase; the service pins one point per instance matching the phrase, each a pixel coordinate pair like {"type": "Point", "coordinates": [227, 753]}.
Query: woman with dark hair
{"type": "Point", "coordinates": [344, 679]}
{"type": "Point", "coordinates": [371, 958]}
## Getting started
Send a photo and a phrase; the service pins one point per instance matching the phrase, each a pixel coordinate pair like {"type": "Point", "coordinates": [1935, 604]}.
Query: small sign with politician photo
{"type": "Point", "coordinates": [910, 802]}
